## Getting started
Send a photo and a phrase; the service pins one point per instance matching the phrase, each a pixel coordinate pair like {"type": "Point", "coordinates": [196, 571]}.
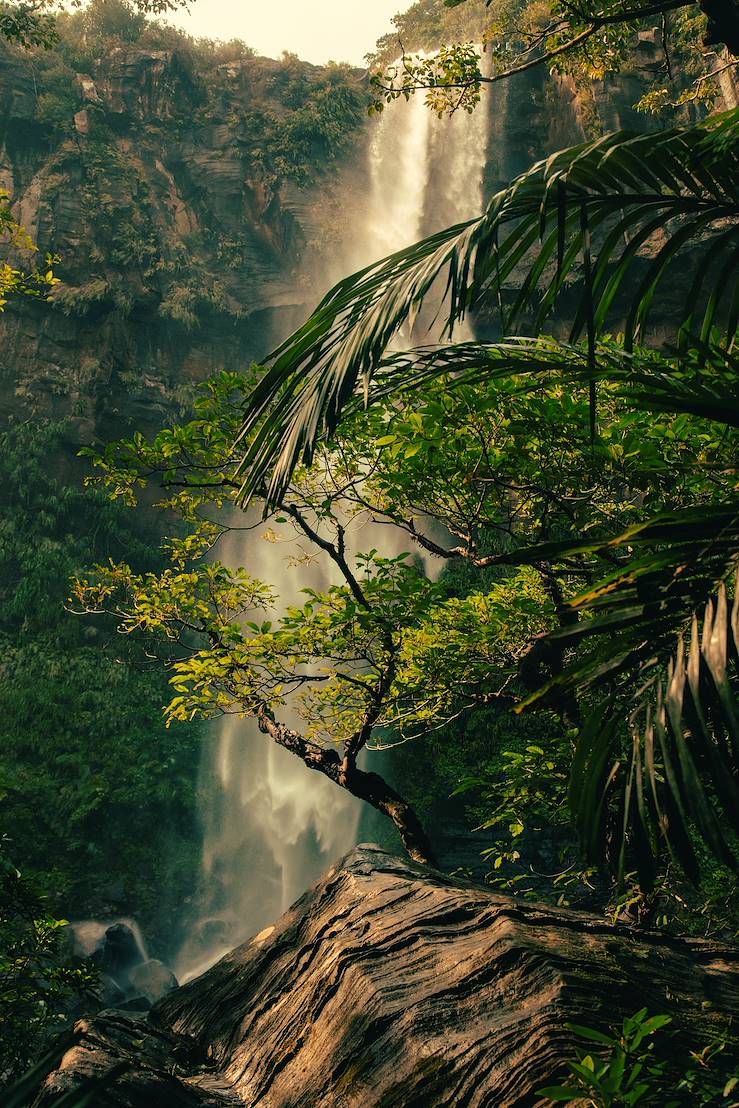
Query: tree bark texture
{"type": "Point", "coordinates": [390, 985]}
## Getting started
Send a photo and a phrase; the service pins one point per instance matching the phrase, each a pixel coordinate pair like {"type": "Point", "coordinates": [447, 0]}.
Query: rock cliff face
{"type": "Point", "coordinates": [390, 984]}
{"type": "Point", "coordinates": [182, 191]}
{"type": "Point", "coordinates": [164, 185]}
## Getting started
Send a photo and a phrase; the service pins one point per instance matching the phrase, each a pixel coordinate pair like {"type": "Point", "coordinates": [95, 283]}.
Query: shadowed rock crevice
{"type": "Point", "coordinates": [389, 984]}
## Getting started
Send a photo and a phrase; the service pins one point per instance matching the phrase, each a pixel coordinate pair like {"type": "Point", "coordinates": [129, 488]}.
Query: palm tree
{"type": "Point", "coordinates": [596, 231]}
{"type": "Point", "coordinates": [614, 215]}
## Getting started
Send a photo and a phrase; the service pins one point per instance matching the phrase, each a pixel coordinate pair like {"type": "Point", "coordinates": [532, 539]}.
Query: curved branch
{"type": "Point", "coordinates": [337, 553]}
{"type": "Point", "coordinates": [369, 787]}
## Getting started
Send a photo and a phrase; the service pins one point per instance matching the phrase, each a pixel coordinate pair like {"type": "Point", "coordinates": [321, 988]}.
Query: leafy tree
{"type": "Point", "coordinates": [622, 210]}
{"type": "Point", "coordinates": [29, 23]}
{"type": "Point", "coordinates": [114, 19]}
{"type": "Point", "coordinates": [494, 465]}
{"type": "Point", "coordinates": [587, 41]}
{"type": "Point", "coordinates": [323, 115]}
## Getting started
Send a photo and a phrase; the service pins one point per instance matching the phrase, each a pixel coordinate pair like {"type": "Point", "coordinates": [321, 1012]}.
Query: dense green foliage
{"type": "Point", "coordinates": [39, 982]}
{"type": "Point", "coordinates": [283, 122]}
{"type": "Point", "coordinates": [498, 465]}
{"type": "Point", "coordinates": [90, 778]}
{"type": "Point", "coordinates": [394, 463]}
{"type": "Point", "coordinates": [422, 26]}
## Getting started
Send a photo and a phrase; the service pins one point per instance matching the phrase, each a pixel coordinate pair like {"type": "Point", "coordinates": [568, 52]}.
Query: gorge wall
{"type": "Point", "coordinates": [166, 183]}
{"type": "Point", "coordinates": [192, 196]}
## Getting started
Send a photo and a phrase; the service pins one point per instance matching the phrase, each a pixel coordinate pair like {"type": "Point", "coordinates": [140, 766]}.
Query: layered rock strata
{"type": "Point", "coordinates": [390, 984]}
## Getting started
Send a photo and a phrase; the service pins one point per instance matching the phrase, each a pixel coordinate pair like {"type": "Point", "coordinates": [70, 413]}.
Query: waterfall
{"type": "Point", "coordinates": [398, 175]}
{"type": "Point", "coordinates": [270, 825]}
{"type": "Point", "coordinates": [424, 173]}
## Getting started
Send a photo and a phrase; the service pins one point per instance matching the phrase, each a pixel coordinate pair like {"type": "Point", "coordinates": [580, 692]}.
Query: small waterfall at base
{"type": "Point", "coordinates": [271, 826]}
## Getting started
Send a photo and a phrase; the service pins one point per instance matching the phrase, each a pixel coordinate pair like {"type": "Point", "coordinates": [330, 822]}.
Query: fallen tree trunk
{"type": "Point", "coordinates": [389, 984]}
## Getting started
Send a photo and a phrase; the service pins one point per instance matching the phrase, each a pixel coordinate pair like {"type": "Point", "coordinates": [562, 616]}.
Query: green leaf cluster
{"type": "Point", "coordinates": [18, 248]}
{"type": "Point", "coordinates": [630, 1066]}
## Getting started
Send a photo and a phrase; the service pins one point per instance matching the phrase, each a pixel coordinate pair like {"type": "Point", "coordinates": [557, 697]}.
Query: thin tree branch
{"type": "Point", "coordinates": [361, 737]}
{"type": "Point", "coordinates": [335, 552]}
{"type": "Point", "coordinates": [597, 24]}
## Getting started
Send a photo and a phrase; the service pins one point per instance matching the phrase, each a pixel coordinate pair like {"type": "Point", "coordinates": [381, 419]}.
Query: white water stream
{"type": "Point", "coordinates": [270, 825]}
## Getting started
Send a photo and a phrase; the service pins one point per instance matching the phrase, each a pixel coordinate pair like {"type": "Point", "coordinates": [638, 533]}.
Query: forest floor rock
{"type": "Point", "coordinates": [391, 984]}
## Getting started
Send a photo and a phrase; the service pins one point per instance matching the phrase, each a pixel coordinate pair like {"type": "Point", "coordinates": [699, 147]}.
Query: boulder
{"type": "Point", "coordinates": [119, 952]}
{"type": "Point", "coordinates": [108, 992]}
{"type": "Point", "coordinates": [392, 984]}
{"type": "Point", "coordinates": [152, 980]}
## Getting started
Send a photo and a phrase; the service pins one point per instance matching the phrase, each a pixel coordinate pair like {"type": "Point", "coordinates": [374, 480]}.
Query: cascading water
{"type": "Point", "coordinates": [398, 174]}
{"type": "Point", "coordinates": [271, 826]}
{"type": "Point", "coordinates": [425, 173]}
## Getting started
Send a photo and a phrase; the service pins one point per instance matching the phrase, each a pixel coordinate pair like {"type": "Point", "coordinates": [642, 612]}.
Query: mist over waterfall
{"type": "Point", "coordinates": [270, 825]}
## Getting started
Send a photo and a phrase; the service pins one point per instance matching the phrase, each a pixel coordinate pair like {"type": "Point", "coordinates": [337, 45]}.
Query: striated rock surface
{"type": "Point", "coordinates": [389, 984]}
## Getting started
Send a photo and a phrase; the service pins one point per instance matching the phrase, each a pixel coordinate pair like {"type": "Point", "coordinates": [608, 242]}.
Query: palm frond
{"type": "Point", "coordinates": [631, 616]}
{"type": "Point", "coordinates": [702, 381]}
{"type": "Point", "coordinates": [683, 770]}
{"type": "Point", "coordinates": [624, 209]}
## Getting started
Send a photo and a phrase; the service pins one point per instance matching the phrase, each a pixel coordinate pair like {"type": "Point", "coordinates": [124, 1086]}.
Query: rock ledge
{"type": "Point", "coordinates": [389, 984]}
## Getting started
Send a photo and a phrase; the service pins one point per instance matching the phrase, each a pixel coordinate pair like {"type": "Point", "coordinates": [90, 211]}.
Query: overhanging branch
{"type": "Point", "coordinates": [723, 28]}
{"type": "Point", "coordinates": [369, 787]}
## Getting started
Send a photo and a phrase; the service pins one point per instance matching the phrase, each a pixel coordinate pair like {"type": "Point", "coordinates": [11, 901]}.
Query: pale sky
{"type": "Point", "coordinates": [316, 30]}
